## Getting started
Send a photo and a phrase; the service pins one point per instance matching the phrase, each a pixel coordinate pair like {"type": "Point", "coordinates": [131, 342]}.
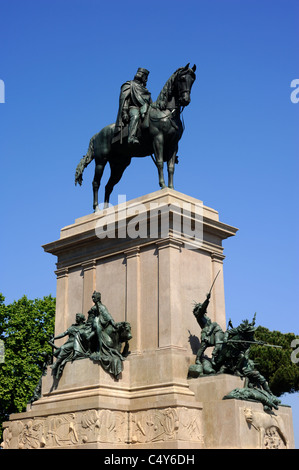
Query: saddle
{"type": "Point", "coordinates": [123, 134]}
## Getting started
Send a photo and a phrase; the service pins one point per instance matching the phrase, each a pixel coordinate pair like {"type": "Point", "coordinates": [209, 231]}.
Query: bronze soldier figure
{"type": "Point", "coordinates": [211, 332]}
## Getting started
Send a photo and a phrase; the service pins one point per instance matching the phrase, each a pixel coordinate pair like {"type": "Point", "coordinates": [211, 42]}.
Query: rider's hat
{"type": "Point", "coordinates": [146, 72]}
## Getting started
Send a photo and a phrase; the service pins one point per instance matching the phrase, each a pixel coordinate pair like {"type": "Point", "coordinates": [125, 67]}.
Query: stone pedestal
{"type": "Point", "coordinates": [238, 424]}
{"type": "Point", "coordinates": [150, 258]}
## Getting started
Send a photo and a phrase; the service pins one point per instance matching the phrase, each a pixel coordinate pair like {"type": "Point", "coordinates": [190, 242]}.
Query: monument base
{"type": "Point", "coordinates": [110, 414]}
{"type": "Point", "coordinates": [149, 269]}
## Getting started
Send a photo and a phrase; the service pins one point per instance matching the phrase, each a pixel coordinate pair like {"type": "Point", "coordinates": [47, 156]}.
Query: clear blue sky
{"type": "Point", "coordinates": [63, 61]}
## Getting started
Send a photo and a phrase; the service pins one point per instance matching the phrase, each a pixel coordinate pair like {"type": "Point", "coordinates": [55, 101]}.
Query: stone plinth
{"type": "Point", "coordinates": [150, 281]}
{"type": "Point", "coordinates": [238, 424]}
{"type": "Point", "coordinates": [151, 259]}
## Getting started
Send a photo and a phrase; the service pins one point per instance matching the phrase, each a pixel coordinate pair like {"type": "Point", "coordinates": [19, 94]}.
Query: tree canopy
{"type": "Point", "coordinates": [276, 364]}
{"type": "Point", "coordinates": [25, 327]}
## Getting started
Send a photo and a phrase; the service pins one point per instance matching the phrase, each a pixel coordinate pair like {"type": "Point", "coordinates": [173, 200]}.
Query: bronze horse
{"type": "Point", "coordinates": [160, 131]}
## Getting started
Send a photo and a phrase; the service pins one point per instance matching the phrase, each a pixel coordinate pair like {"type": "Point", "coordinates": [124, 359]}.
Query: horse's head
{"type": "Point", "coordinates": [184, 81]}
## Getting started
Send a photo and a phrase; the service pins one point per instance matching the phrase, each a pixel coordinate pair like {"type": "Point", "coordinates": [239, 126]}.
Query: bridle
{"type": "Point", "coordinates": [182, 87]}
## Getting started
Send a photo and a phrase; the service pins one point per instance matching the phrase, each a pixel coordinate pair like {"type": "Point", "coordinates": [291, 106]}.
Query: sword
{"type": "Point", "coordinates": [214, 282]}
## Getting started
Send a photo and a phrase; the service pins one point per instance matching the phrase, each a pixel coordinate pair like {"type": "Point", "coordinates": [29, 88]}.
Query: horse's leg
{"type": "Point", "coordinates": [158, 143]}
{"type": "Point", "coordinates": [117, 170]}
{"type": "Point", "coordinates": [96, 183]}
{"type": "Point", "coordinates": [170, 168]}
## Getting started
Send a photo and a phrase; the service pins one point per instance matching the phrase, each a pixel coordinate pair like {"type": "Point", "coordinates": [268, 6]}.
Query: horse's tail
{"type": "Point", "coordinates": [85, 160]}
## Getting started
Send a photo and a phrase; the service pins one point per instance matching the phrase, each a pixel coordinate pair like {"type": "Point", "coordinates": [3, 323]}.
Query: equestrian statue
{"type": "Point", "coordinates": [142, 128]}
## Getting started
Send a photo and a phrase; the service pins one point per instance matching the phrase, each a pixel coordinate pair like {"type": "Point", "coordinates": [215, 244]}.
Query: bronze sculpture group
{"type": "Point", "coordinates": [143, 128]}
{"type": "Point", "coordinates": [231, 355]}
{"type": "Point", "coordinates": [98, 338]}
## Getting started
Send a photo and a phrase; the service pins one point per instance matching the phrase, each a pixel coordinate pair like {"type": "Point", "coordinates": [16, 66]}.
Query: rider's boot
{"type": "Point", "coordinates": [133, 126]}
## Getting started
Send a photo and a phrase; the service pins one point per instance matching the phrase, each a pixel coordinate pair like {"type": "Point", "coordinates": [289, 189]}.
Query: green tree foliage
{"type": "Point", "coordinates": [25, 327]}
{"type": "Point", "coordinates": [275, 364]}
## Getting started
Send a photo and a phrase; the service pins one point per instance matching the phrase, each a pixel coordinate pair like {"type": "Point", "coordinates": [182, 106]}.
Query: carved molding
{"type": "Point", "coordinates": [169, 424]}
{"type": "Point", "coordinates": [61, 273]}
{"type": "Point", "coordinates": [158, 425]}
{"type": "Point", "coordinates": [104, 426]}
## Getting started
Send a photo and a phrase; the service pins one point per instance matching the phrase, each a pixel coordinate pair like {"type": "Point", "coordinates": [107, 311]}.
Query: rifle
{"type": "Point", "coordinates": [258, 343]}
